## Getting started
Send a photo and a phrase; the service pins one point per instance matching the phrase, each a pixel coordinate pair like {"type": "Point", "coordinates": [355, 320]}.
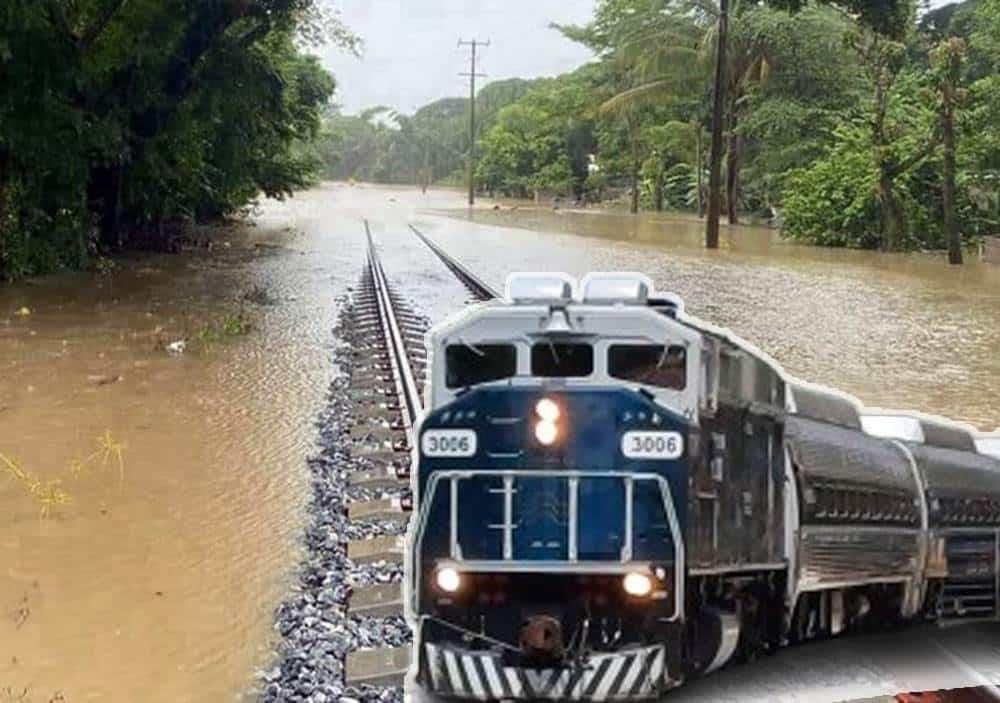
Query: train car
{"type": "Point", "coordinates": [612, 496]}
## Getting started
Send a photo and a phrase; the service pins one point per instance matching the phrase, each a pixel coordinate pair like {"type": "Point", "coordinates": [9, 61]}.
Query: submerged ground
{"type": "Point", "coordinates": [159, 581]}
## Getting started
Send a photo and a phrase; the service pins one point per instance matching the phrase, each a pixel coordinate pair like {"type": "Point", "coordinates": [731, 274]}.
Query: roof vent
{"type": "Point", "coordinates": [888, 426]}
{"type": "Point", "coordinates": [540, 288]}
{"type": "Point", "coordinates": [824, 405]}
{"type": "Point", "coordinates": [612, 288]}
{"type": "Point", "coordinates": [947, 435]}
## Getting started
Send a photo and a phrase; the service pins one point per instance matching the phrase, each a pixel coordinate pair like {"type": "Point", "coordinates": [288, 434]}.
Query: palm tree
{"type": "Point", "coordinates": [670, 47]}
{"type": "Point", "coordinates": [746, 62]}
{"type": "Point", "coordinates": [655, 59]}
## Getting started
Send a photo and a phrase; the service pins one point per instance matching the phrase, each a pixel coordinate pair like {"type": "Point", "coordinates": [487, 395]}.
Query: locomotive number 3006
{"type": "Point", "coordinates": [652, 445]}
{"type": "Point", "coordinates": [448, 443]}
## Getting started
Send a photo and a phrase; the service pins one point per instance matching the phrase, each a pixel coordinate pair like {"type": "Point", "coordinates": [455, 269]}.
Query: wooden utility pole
{"type": "Point", "coordinates": [472, 75]}
{"type": "Point", "coordinates": [715, 157]}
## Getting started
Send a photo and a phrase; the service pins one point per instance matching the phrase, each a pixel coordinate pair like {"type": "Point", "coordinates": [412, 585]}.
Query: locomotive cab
{"type": "Point", "coordinates": [547, 553]}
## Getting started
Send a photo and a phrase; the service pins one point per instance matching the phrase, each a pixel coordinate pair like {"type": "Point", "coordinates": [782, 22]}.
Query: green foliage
{"type": "Point", "coordinates": [839, 199]}
{"type": "Point", "coordinates": [541, 142]}
{"type": "Point", "coordinates": [116, 116]}
{"type": "Point", "coordinates": [384, 146]}
{"type": "Point", "coordinates": [833, 201]}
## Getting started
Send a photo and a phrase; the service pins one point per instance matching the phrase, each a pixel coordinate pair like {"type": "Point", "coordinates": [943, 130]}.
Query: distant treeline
{"type": "Point", "coordinates": [850, 124]}
{"type": "Point", "coordinates": [381, 145]}
{"type": "Point", "coordinates": [118, 116]}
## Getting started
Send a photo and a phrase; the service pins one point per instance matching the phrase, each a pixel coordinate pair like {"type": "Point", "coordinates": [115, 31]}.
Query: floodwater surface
{"type": "Point", "coordinates": [897, 330]}
{"type": "Point", "coordinates": [158, 581]}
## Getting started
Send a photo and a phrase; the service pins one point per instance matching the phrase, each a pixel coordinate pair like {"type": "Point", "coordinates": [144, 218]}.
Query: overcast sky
{"type": "Point", "coordinates": [411, 55]}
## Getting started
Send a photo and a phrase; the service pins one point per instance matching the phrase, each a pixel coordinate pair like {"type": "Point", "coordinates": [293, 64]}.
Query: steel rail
{"type": "Point", "coordinates": [481, 290]}
{"type": "Point", "coordinates": [409, 393]}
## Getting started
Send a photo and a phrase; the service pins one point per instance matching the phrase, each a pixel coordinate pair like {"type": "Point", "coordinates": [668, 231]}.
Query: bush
{"type": "Point", "coordinates": [833, 202]}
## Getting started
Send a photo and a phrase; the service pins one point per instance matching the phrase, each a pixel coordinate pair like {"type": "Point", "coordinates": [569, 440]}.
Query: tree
{"type": "Point", "coordinates": [813, 82]}
{"type": "Point", "coordinates": [540, 143]}
{"type": "Point", "coordinates": [884, 17]}
{"type": "Point", "coordinates": [622, 34]}
{"type": "Point", "coordinates": [946, 62]}
{"type": "Point", "coordinates": [866, 188]}
{"type": "Point", "coordinates": [146, 110]}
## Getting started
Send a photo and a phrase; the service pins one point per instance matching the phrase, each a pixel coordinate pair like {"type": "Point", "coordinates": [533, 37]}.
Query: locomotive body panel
{"type": "Point", "coordinates": [737, 498]}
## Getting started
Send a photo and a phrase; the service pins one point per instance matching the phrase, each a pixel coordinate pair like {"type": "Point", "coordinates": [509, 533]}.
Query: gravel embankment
{"type": "Point", "coordinates": [315, 631]}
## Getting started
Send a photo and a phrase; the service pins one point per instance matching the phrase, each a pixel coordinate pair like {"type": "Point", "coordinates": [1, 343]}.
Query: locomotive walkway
{"type": "Point", "coordinates": [386, 376]}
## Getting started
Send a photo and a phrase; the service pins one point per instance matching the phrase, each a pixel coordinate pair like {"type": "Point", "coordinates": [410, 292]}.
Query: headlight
{"type": "Point", "coordinates": [547, 428]}
{"type": "Point", "coordinates": [548, 409]}
{"type": "Point", "coordinates": [448, 579]}
{"type": "Point", "coordinates": [546, 432]}
{"type": "Point", "coordinates": [637, 585]}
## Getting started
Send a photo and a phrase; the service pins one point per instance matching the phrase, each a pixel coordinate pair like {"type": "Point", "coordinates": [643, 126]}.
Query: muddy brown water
{"type": "Point", "coordinates": [159, 581]}
{"type": "Point", "coordinates": [898, 331]}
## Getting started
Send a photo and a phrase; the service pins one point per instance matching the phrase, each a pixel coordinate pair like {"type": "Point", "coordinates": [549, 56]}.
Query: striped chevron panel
{"type": "Point", "coordinates": [627, 675]}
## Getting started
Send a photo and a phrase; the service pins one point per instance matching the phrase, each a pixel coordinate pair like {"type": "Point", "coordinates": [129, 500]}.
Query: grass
{"type": "Point", "coordinates": [47, 494]}
{"type": "Point", "coordinates": [229, 326]}
{"type": "Point", "coordinates": [108, 454]}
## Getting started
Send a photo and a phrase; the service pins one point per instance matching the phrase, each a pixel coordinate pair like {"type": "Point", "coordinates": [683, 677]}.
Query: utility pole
{"type": "Point", "coordinates": [718, 115]}
{"type": "Point", "coordinates": [472, 75]}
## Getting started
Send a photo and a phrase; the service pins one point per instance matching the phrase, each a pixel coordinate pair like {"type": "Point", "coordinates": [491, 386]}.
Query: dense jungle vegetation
{"type": "Point", "coordinates": [862, 124]}
{"type": "Point", "coordinates": [122, 120]}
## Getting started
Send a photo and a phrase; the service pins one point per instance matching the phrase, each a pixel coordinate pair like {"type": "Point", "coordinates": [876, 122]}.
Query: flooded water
{"type": "Point", "coordinates": [158, 582]}
{"type": "Point", "coordinates": [898, 331]}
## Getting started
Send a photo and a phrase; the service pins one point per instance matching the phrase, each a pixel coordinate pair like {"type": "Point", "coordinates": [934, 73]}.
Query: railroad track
{"type": "Point", "coordinates": [480, 290]}
{"type": "Point", "coordinates": [386, 377]}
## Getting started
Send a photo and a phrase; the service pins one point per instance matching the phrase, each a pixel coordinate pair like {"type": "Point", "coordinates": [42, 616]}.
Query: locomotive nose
{"type": "Point", "coordinates": [541, 638]}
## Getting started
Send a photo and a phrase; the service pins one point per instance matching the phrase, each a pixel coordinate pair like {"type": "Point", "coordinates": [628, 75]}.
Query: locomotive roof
{"type": "Point", "coordinates": [828, 406]}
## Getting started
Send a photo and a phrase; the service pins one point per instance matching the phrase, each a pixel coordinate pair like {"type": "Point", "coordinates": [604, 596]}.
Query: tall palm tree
{"type": "Point", "coordinates": [747, 60]}
{"type": "Point", "coordinates": [655, 59]}
{"type": "Point", "coordinates": [677, 43]}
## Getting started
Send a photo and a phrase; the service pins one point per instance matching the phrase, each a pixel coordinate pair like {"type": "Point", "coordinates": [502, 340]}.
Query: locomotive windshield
{"type": "Point", "coordinates": [649, 364]}
{"type": "Point", "coordinates": [468, 365]}
{"type": "Point", "coordinates": [550, 360]}
{"type": "Point", "coordinates": [544, 523]}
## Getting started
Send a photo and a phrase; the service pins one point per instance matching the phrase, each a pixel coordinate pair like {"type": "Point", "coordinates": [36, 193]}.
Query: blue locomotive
{"type": "Point", "coordinates": [612, 497]}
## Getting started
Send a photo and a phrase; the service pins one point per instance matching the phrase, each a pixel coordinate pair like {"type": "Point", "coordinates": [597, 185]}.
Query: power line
{"type": "Point", "coordinates": [472, 75]}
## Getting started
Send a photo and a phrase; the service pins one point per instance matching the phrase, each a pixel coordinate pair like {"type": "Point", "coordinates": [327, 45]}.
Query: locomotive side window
{"type": "Point", "coordinates": [649, 364]}
{"type": "Point", "coordinates": [562, 360]}
{"type": "Point", "coordinates": [467, 365]}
